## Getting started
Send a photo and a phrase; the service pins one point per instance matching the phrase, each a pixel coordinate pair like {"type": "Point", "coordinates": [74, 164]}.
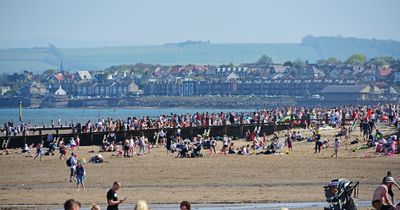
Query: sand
{"type": "Point", "coordinates": [161, 178]}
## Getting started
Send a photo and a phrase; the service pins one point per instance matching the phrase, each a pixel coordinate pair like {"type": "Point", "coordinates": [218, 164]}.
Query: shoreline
{"type": "Point", "coordinates": [125, 107]}
{"type": "Point", "coordinates": [204, 206]}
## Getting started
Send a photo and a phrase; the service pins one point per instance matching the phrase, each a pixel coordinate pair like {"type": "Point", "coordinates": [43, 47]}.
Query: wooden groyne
{"type": "Point", "coordinates": [96, 138]}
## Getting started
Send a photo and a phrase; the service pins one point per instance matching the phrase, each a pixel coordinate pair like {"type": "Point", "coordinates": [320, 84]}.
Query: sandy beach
{"type": "Point", "coordinates": [161, 178]}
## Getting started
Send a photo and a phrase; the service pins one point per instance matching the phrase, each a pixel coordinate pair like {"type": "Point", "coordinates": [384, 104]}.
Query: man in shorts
{"type": "Point", "coordinates": [380, 198]}
{"type": "Point", "coordinates": [390, 189]}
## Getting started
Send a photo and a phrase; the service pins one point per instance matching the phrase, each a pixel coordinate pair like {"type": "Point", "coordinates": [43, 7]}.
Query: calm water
{"type": "Point", "coordinates": [40, 116]}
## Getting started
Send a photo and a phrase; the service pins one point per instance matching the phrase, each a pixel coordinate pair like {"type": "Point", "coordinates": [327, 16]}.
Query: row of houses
{"type": "Point", "coordinates": [182, 87]}
{"type": "Point", "coordinates": [88, 88]}
{"type": "Point", "coordinates": [329, 90]}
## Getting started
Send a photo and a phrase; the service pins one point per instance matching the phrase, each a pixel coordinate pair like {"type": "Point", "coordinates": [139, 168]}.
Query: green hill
{"type": "Point", "coordinates": [311, 49]}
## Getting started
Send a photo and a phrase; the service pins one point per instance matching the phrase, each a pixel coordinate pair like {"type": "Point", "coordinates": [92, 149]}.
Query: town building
{"type": "Point", "coordinates": [351, 92]}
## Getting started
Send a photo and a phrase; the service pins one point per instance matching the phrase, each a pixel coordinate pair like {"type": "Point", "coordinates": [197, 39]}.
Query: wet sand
{"type": "Point", "coordinates": [161, 179]}
{"type": "Point", "coordinates": [239, 206]}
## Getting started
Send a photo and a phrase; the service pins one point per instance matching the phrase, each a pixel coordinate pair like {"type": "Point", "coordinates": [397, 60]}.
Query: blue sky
{"type": "Point", "coordinates": [120, 22]}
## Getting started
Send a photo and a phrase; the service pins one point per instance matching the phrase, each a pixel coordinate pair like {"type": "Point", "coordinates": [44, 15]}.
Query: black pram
{"type": "Point", "coordinates": [338, 194]}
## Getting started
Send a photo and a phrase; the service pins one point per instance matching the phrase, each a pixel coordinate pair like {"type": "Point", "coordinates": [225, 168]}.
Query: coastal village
{"type": "Point", "coordinates": [200, 105]}
{"type": "Point", "coordinates": [326, 80]}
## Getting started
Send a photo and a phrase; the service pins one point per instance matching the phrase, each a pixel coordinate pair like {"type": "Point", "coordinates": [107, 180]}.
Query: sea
{"type": "Point", "coordinates": [65, 116]}
{"type": "Point", "coordinates": [219, 206]}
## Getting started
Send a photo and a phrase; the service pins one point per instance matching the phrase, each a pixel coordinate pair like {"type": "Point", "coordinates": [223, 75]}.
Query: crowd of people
{"type": "Point", "coordinates": [127, 147]}
{"type": "Point", "coordinates": [365, 118]}
{"type": "Point", "coordinates": [253, 142]}
{"type": "Point", "coordinates": [309, 116]}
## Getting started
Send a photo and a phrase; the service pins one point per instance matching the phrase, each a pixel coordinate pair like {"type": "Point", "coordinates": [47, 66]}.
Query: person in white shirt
{"type": "Point", "coordinates": [336, 146]}
{"type": "Point", "coordinates": [226, 144]}
{"type": "Point", "coordinates": [142, 144]}
{"type": "Point", "coordinates": [178, 134]}
{"type": "Point", "coordinates": [72, 143]}
{"type": "Point", "coordinates": [131, 146]}
{"type": "Point", "coordinates": [162, 137]}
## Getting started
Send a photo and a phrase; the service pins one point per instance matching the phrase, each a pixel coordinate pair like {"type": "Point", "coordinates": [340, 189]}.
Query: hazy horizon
{"type": "Point", "coordinates": [68, 43]}
{"type": "Point", "coordinates": [99, 23]}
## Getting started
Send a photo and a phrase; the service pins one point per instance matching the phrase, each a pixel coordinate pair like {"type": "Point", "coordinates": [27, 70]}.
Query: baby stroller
{"type": "Point", "coordinates": [339, 192]}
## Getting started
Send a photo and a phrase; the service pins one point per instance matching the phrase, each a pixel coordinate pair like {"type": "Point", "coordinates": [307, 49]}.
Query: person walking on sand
{"type": "Point", "coordinates": [346, 136]}
{"type": "Point", "coordinates": [112, 197]}
{"type": "Point", "coordinates": [80, 176]}
{"type": "Point", "coordinates": [336, 146]}
{"type": "Point", "coordinates": [131, 146]}
{"type": "Point", "coordinates": [225, 146]}
{"type": "Point", "coordinates": [380, 198]}
{"type": "Point", "coordinates": [168, 145]}
{"type": "Point", "coordinates": [289, 142]}
{"type": "Point", "coordinates": [63, 151]}
{"type": "Point", "coordinates": [318, 143]}
{"type": "Point", "coordinates": [72, 143]}
{"type": "Point", "coordinates": [39, 152]}
{"type": "Point", "coordinates": [78, 142]}
{"type": "Point", "coordinates": [162, 135]}
{"type": "Point", "coordinates": [126, 148]}
{"type": "Point", "coordinates": [142, 145]}
{"type": "Point", "coordinates": [71, 163]}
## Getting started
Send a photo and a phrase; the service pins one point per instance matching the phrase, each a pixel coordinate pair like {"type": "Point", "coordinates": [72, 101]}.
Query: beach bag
{"type": "Point", "coordinates": [68, 162]}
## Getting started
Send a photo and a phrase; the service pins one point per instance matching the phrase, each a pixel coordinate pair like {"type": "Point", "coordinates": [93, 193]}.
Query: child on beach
{"type": "Point", "coordinates": [72, 143]}
{"type": "Point", "coordinates": [78, 141]}
{"type": "Point", "coordinates": [63, 151]}
{"type": "Point", "coordinates": [336, 145]}
{"type": "Point", "coordinates": [39, 152]}
{"type": "Point", "coordinates": [289, 143]}
{"type": "Point", "coordinates": [131, 146]}
{"type": "Point", "coordinates": [142, 145]}
{"type": "Point", "coordinates": [126, 148]}
{"type": "Point", "coordinates": [149, 147]}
